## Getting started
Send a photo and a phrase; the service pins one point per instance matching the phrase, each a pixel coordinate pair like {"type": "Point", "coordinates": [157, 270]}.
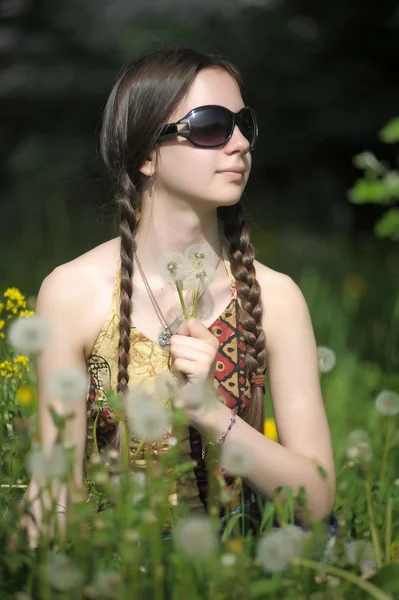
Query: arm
{"type": "Point", "coordinates": [297, 402]}
{"type": "Point", "coordinates": [59, 303]}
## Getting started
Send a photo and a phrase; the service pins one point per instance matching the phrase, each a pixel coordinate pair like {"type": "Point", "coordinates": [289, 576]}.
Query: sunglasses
{"type": "Point", "coordinates": [212, 126]}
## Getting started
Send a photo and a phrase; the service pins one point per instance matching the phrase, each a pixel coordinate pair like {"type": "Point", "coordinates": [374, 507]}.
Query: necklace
{"type": "Point", "coordinates": [163, 339]}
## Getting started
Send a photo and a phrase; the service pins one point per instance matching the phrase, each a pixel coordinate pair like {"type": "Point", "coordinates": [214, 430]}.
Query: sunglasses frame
{"type": "Point", "coordinates": [170, 130]}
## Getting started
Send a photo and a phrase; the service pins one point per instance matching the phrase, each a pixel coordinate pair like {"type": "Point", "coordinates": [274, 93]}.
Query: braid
{"type": "Point", "coordinates": [128, 221]}
{"type": "Point", "coordinates": [242, 252]}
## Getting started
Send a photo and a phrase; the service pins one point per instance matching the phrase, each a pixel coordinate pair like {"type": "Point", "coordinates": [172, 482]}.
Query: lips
{"type": "Point", "coordinates": [239, 170]}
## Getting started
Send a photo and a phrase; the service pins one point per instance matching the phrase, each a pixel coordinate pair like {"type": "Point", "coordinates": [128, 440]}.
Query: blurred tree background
{"type": "Point", "coordinates": [323, 78]}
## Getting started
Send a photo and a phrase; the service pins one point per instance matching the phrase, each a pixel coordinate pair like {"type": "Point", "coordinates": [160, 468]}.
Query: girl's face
{"type": "Point", "coordinates": [194, 174]}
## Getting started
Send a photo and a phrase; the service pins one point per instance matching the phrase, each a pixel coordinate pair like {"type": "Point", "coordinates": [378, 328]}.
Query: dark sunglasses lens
{"type": "Point", "coordinates": [210, 127]}
{"type": "Point", "coordinates": [246, 123]}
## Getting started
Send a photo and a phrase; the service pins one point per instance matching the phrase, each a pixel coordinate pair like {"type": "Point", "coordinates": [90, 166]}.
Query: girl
{"type": "Point", "coordinates": [177, 138]}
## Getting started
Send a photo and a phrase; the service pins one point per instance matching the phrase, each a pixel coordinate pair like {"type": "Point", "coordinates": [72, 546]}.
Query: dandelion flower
{"type": "Point", "coordinates": [276, 549]}
{"type": "Point", "coordinates": [24, 395]}
{"type": "Point", "coordinates": [200, 268]}
{"type": "Point", "coordinates": [196, 537]}
{"type": "Point", "coordinates": [147, 418]}
{"type": "Point", "coordinates": [29, 335]}
{"type": "Point", "coordinates": [228, 559]}
{"type": "Point", "coordinates": [67, 384]}
{"type": "Point", "coordinates": [326, 358]}
{"type": "Point", "coordinates": [361, 553]}
{"type": "Point", "coordinates": [236, 459]}
{"type": "Point", "coordinates": [387, 403]}
{"type": "Point", "coordinates": [63, 574]}
{"type": "Point", "coordinates": [173, 267]}
{"type": "Point", "coordinates": [47, 464]}
{"type": "Point", "coordinates": [270, 429]}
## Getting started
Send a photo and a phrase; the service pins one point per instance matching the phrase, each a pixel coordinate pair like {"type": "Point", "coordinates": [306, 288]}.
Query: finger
{"type": "Point", "coordinates": [187, 367]}
{"type": "Point", "coordinates": [189, 353]}
{"type": "Point", "coordinates": [181, 343]}
{"type": "Point", "coordinates": [193, 327]}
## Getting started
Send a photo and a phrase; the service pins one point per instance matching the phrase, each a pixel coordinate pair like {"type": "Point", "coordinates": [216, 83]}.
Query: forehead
{"type": "Point", "coordinates": [211, 86]}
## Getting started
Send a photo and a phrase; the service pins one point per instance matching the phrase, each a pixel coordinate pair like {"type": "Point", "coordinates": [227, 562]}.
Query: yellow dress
{"type": "Point", "coordinates": [147, 361]}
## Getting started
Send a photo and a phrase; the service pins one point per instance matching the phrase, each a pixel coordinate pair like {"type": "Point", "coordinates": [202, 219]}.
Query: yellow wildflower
{"type": "Point", "coordinates": [395, 551]}
{"type": "Point", "coordinates": [270, 429]}
{"type": "Point", "coordinates": [26, 313]}
{"type": "Point", "coordinates": [1, 306]}
{"type": "Point", "coordinates": [235, 545]}
{"type": "Point", "coordinates": [24, 395]}
{"type": "Point", "coordinates": [6, 369]}
{"type": "Point", "coordinates": [15, 301]}
{"type": "Point", "coordinates": [2, 323]}
{"type": "Point", "coordinates": [355, 285]}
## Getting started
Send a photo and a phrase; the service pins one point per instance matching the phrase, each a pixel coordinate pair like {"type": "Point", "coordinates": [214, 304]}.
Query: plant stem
{"type": "Point", "coordinates": [363, 584]}
{"type": "Point", "coordinates": [388, 531]}
{"type": "Point", "coordinates": [183, 304]}
{"type": "Point", "coordinates": [373, 527]}
{"type": "Point", "coordinates": [386, 450]}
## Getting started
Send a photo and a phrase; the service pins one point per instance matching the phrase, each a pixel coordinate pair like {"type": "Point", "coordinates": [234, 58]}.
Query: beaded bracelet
{"type": "Point", "coordinates": [224, 434]}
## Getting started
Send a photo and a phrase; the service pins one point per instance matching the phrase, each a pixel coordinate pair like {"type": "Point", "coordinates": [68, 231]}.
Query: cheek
{"type": "Point", "coordinates": [186, 167]}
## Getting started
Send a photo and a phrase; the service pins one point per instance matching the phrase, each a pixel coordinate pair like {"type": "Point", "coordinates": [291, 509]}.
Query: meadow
{"type": "Point", "coordinates": [115, 544]}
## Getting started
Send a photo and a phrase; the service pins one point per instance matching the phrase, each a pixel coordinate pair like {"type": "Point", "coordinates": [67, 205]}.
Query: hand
{"type": "Point", "coordinates": [194, 351]}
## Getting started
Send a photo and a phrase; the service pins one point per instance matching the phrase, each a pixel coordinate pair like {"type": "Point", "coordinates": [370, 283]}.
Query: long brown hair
{"type": "Point", "coordinates": [145, 95]}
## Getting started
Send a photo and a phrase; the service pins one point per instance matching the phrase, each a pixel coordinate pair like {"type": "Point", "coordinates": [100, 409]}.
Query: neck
{"type": "Point", "coordinates": [166, 227]}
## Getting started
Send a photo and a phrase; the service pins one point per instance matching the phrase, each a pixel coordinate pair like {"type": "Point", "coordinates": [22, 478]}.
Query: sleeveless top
{"type": "Point", "coordinates": [148, 360]}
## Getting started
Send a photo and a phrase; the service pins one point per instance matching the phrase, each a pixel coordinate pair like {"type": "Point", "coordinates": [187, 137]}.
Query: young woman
{"type": "Point", "coordinates": [177, 139]}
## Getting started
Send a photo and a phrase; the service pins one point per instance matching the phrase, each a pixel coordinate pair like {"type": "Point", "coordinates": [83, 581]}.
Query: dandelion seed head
{"type": "Point", "coordinates": [277, 548]}
{"type": "Point", "coordinates": [228, 559]}
{"type": "Point", "coordinates": [148, 420]}
{"type": "Point", "coordinates": [67, 384]}
{"type": "Point", "coordinates": [360, 552]}
{"type": "Point", "coordinates": [29, 335]}
{"type": "Point", "coordinates": [63, 574]}
{"type": "Point", "coordinates": [46, 465]}
{"type": "Point", "coordinates": [326, 359]}
{"type": "Point", "coordinates": [195, 537]}
{"type": "Point", "coordinates": [387, 403]}
{"type": "Point", "coordinates": [236, 459]}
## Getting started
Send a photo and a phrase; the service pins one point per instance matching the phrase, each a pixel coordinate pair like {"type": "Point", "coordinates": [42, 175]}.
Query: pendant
{"type": "Point", "coordinates": [164, 336]}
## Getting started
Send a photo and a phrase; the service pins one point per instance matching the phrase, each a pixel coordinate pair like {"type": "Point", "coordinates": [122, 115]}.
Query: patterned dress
{"type": "Point", "coordinates": [147, 361]}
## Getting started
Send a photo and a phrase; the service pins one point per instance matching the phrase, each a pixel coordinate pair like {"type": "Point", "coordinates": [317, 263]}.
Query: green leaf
{"type": "Point", "coordinates": [388, 225]}
{"type": "Point", "coordinates": [390, 132]}
{"type": "Point", "coordinates": [370, 191]}
{"type": "Point", "coordinates": [387, 578]}
{"type": "Point", "coordinates": [367, 160]}
{"type": "Point", "coordinates": [264, 586]}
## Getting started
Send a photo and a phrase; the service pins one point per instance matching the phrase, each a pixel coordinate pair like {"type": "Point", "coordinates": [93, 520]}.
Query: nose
{"type": "Point", "coordinates": [238, 142]}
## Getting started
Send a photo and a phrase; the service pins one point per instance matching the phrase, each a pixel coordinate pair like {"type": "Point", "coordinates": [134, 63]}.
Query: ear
{"type": "Point", "coordinates": [148, 167]}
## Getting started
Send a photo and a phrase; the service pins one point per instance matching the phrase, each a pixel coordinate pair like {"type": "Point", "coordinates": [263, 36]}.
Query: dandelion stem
{"type": "Point", "coordinates": [95, 431]}
{"type": "Point", "coordinates": [373, 527]}
{"type": "Point", "coordinates": [368, 587]}
{"type": "Point", "coordinates": [183, 304]}
{"type": "Point", "coordinates": [386, 450]}
{"type": "Point", "coordinates": [388, 531]}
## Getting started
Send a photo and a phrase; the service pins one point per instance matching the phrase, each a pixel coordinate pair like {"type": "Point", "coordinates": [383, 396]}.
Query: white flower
{"type": "Point", "coordinates": [228, 559]}
{"type": "Point", "coordinates": [359, 449]}
{"type": "Point", "coordinates": [147, 418]}
{"type": "Point", "coordinates": [172, 441]}
{"type": "Point", "coordinates": [67, 384]}
{"type": "Point", "coordinates": [277, 548]}
{"type": "Point", "coordinates": [196, 537]}
{"type": "Point", "coordinates": [46, 464]}
{"type": "Point", "coordinates": [165, 386]}
{"type": "Point", "coordinates": [106, 584]}
{"type": "Point", "coordinates": [63, 574]}
{"type": "Point", "coordinates": [200, 268]}
{"type": "Point", "coordinates": [360, 552]}
{"type": "Point", "coordinates": [29, 335]}
{"type": "Point", "coordinates": [396, 482]}
{"type": "Point", "coordinates": [236, 459]}
{"type": "Point", "coordinates": [202, 395]}
{"type": "Point", "coordinates": [173, 267]}
{"type": "Point", "coordinates": [326, 358]}
{"type": "Point", "coordinates": [387, 403]}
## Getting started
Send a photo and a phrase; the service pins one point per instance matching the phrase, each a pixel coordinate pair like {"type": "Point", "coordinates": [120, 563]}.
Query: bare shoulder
{"type": "Point", "coordinates": [282, 299]}
{"type": "Point", "coordinates": [80, 291]}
